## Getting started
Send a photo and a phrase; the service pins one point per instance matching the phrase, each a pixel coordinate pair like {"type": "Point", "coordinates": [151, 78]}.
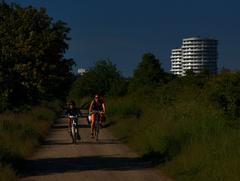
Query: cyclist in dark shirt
{"type": "Point", "coordinates": [73, 111]}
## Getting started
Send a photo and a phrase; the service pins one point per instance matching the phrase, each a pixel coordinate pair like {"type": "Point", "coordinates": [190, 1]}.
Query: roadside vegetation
{"type": "Point", "coordinates": [34, 80]}
{"type": "Point", "coordinates": [181, 128]}
{"type": "Point", "coordinates": [188, 126]}
{"type": "Point", "coordinates": [20, 135]}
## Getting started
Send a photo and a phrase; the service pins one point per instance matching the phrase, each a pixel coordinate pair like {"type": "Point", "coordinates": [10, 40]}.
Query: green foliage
{"type": "Point", "coordinates": [32, 63]}
{"type": "Point", "coordinates": [148, 72]}
{"type": "Point", "coordinates": [4, 103]}
{"type": "Point", "coordinates": [184, 126]}
{"type": "Point", "coordinates": [55, 105]}
{"type": "Point", "coordinates": [7, 173]}
{"type": "Point", "coordinates": [20, 134]}
{"type": "Point", "coordinates": [103, 78]}
{"type": "Point", "coordinates": [225, 92]}
{"type": "Point", "coordinates": [124, 107]}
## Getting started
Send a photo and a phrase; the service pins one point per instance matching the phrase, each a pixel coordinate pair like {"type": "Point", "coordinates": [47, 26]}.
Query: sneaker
{"type": "Point", "coordinates": [92, 136]}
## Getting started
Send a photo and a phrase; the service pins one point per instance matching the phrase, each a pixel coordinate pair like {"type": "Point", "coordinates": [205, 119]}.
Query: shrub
{"type": "Point", "coordinates": [20, 134]}
{"type": "Point", "coordinates": [181, 129]}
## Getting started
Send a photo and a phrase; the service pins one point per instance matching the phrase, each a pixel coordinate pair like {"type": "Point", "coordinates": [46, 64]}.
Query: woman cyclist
{"type": "Point", "coordinates": [97, 104]}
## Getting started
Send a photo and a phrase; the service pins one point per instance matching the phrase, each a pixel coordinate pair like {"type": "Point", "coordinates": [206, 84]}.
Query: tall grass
{"type": "Point", "coordinates": [181, 131]}
{"type": "Point", "coordinates": [20, 134]}
{"type": "Point", "coordinates": [7, 173]}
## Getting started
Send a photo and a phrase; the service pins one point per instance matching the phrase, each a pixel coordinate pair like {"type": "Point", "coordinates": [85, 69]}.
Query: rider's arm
{"type": "Point", "coordinates": [104, 107]}
{"type": "Point", "coordinates": [90, 108]}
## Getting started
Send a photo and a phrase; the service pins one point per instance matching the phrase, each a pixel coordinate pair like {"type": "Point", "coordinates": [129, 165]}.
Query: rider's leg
{"type": "Point", "coordinates": [69, 124]}
{"type": "Point", "coordinates": [92, 123]}
{"type": "Point", "coordinates": [78, 135]}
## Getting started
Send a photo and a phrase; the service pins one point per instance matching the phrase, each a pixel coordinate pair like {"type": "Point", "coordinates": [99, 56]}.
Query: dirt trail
{"type": "Point", "coordinates": [105, 160]}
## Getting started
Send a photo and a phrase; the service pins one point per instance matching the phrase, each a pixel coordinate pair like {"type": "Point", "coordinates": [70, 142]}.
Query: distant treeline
{"type": "Point", "coordinates": [105, 79]}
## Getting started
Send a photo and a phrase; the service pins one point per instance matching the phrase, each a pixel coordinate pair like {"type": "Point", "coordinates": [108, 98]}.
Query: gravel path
{"type": "Point", "coordinates": [105, 160]}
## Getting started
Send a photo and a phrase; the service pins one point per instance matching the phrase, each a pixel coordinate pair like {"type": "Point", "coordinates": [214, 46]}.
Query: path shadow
{"type": "Point", "coordinates": [77, 164]}
{"type": "Point", "coordinates": [49, 142]}
{"type": "Point", "coordinates": [64, 126]}
{"type": "Point", "coordinates": [92, 142]}
{"type": "Point", "coordinates": [84, 126]}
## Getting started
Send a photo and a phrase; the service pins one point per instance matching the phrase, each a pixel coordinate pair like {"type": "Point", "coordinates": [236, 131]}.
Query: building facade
{"type": "Point", "coordinates": [81, 71]}
{"type": "Point", "coordinates": [176, 61]}
{"type": "Point", "coordinates": [198, 54]}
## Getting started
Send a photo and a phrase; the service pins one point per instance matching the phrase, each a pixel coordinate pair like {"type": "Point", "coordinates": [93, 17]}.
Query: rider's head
{"type": "Point", "coordinates": [96, 97]}
{"type": "Point", "coordinates": [72, 104]}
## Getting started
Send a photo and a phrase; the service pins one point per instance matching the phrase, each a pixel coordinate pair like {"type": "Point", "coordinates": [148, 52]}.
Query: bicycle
{"type": "Point", "coordinates": [96, 124]}
{"type": "Point", "coordinates": [74, 132]}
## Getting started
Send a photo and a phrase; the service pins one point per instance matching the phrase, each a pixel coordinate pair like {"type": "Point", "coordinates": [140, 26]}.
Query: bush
{"type": "Point", "coordinates": [3, 101]}
{"type": "Point", "coordinates": [7, 173]}
{"type": "Point", "coordinates": [124, 107]}
{"type": "Point", "coordinates": [181, 129]}
{"type": "Point", "coordinates": [225, 92]}
{"type": "Point", "coordinates": [20, 134]}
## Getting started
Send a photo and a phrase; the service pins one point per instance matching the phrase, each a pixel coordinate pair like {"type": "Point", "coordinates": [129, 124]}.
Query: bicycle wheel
{"type": "Point", "coordinates": [97, 128]}
{"type": "Point", "coordinates": [73, 134]}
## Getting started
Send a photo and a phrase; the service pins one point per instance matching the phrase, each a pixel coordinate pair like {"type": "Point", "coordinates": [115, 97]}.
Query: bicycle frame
{"type": "Point", "coordinates": [96, 123]}
{"type": "Point", "coordinates": [74, 130]}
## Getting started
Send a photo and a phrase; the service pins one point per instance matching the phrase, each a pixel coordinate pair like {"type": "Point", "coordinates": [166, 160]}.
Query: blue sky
{"type": "Point", "coordinates": [123, 30]}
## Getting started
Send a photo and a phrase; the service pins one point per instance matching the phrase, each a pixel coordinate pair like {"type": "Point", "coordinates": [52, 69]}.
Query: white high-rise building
{"type": "Point", "coordinates": [81, 71]}
{"type": "Point", "coordinates": [198, 54]}
{"type": "Point", "coordinates": [176, 61]}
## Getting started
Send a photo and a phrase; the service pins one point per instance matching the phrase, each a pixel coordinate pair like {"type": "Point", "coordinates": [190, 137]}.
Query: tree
{"type": "Point", "coordinates": [32, 63]}
{"type": "Point", "coordinates": [103, 78]}
{"type": "Point", "coordinates": [224, 90]}
{"type": "Point", "coordinates": [148, 72]}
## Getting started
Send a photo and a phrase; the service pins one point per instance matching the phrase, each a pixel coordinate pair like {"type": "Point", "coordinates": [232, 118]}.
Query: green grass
{"type": "Point", "coordinates": [212, 158]}
{"type": "Point", "coordinates": [20, 135]}
{"type": "Point", "coordinates": [183, 133]}
{"type": "Point", "coordinates": [7, 173]}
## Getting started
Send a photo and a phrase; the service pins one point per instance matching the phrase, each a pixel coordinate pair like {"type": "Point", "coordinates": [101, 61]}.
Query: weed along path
{"type": "Point", "coordinates": [105, 160]}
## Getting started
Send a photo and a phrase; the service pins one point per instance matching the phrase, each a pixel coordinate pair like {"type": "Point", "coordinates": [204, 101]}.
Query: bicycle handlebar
{"type": "Point", "coordinates": [73, 116]}
{"type": "Point", "coordinates": [96, 112]}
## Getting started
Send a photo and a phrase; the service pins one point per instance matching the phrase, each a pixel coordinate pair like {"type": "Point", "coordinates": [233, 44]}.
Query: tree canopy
{"type": "Point", "coordinates": [32, 47]}
{"type": "Point", "coordinates": [103, 78]}
{"type": "Point", "coordinates": [148, 72]}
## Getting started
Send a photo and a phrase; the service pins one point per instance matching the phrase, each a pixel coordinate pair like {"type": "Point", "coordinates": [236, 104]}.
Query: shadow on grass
{"type": "Point", "coordinates": [108, 124]}
{"type": "Point", "coordinates": [156, 158]}
{"type": "Point", "coordinates": [77, 164]}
